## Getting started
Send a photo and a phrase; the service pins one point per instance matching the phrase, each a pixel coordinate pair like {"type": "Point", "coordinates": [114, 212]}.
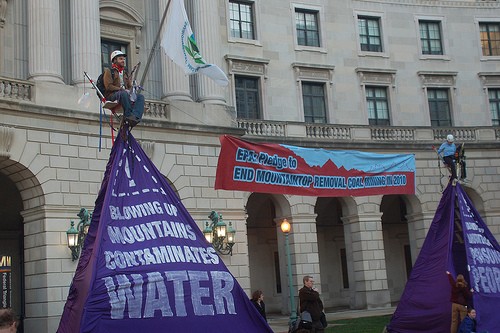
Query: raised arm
{"type": "Point", "coordinates": [450, 279]}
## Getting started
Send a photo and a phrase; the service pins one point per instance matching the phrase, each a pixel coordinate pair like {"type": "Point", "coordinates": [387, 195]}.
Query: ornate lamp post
{"type": "Point", "coordinates": [72, 235]}
{"type": "Point", "coordinates": [220, 235]}
{"type": "Point", "coordinates": [77, 236]}
{"type": "Point", "coordinates": [285, 228]}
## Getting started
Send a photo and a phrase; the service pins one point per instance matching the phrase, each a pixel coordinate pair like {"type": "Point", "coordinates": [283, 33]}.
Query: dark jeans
{"type": "Point", "coordinates": [449, 161]}
{"type": "Point", "coordinates": [129, 109]}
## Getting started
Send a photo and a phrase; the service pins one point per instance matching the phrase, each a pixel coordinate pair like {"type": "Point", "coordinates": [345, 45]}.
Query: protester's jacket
{"type": "Point", "coordinates": [468, 325]}
{"type": "Point", "coordinates": [447, 149]}
{"type": "Point", "coordinates": [310, 301]}
{"type": "Point", "coordinates": [112, 83]}
{"type": "Point", "coordinates": [459, 295]}
{"type": "Point", "coordinates": [260, 307]}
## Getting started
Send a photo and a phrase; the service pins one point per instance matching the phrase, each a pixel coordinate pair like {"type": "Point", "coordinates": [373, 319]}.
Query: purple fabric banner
{"type": "Point", "coordinates": [461, 246]}
{"type": "Point", "coordinates": [425, 304]}
{"type": "Point", "coordinates": [483, 258]}
{"type": "Point", "coordinates": [146, 266]}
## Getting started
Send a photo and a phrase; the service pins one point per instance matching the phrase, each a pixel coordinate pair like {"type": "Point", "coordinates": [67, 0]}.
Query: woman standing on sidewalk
{"type": "Point", "coordinates": [258, 301]}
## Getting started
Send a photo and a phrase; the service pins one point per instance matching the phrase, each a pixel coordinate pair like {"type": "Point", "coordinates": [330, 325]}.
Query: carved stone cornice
{"type": "Point", "coordinates": [437, 78]}
{"type": "Point", "coordinates": [121, 21]}
{"type": "Point", "coordinates": [6, 137]}
{"type": "Point", "coordinates": [489, 79]}
{"type": "Point", "coordinates": [315, 72]}
{"type": "Point", "coordinates": [3, 12]}
{"type": "Point", "coordinates": [377, 76]}
{"type": "Point", "coordinates": [247, 65]}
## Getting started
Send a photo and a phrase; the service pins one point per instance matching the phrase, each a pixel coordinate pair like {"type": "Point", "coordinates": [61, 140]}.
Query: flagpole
{"type": "Point", "coordinates": [155, 44]}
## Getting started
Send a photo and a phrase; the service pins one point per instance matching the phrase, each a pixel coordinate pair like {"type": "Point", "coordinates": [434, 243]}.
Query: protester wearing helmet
{"type": "Point", "coordinates": [118, 87]}
{"type": "Point", "coordinates": [447, 151]}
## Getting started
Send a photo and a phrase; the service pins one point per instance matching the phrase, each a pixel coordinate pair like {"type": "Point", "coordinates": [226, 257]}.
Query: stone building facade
{"type": "Point", "coordinates": [374, 75]}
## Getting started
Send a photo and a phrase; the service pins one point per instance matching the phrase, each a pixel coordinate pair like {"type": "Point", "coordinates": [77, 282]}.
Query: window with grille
{"type": "Point", "coordinates": [439, 106]}
{"type": "Point", "coordinates": [313, 96]}
{"type": "Point", "coordinates": [107, 47]}
{"type": "Point", "coordinates": [306, 24]}
{"type": "Point", "coordinates": [490, 38]}
{"type": "Point", "coordinates": [494, 99]}
{"type": "Point", "coordinates": [241, 19]}
{"type": "Point", "coordinates": [378, 105]}
{"type": "Point", "coordinates": [430, 37]}
{"type": "Point", "coordinates": [369, 34]}
{"type": "Point", "coordinates": [247, 97]}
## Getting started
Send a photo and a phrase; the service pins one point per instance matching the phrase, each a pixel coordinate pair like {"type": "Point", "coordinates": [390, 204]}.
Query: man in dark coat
{"type": "Point", "coordinates": [311, 302]}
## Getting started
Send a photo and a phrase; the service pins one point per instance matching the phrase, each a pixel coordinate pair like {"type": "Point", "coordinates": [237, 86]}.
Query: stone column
{"type": "Point", "coordinates": [45, 284]}
{"type": "Point", "coordinates": [3, 19]}
{"type": "Point", "coordinates": [44, 41]}
{"type": "Point", "coordinates": [305, 244]}
{"type": "Point", "coordinates": [303, 252]}
{"type": "Point", "coordinates": [285, 290]}
{"type": "Point", "coordinates": [154, 78]}
{"type": "Point", "coordinates": [418, 225]}
{"type": "Point", "coordinates": [175, 81]}
{"type": "Point", "coordinates": [366, 257]}
{"type": "Point", "coordinates": [85, 40]}
{"type": "Point", "coordinates": [206, 29]}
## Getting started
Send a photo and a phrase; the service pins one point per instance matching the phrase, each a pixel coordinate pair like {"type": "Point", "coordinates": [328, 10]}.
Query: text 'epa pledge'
{"type": "Point", "coordinates": [262, 158]}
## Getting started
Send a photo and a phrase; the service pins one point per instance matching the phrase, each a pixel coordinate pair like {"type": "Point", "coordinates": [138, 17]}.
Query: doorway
{"type": "Point", "coordinates": [11, 248]}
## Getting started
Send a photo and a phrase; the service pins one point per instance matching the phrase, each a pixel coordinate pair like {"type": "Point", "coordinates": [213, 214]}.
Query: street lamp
{"type": "Point", "coordinates": [76, 237]}
{"type": "Point", "coordinates": [286, 227]}
{"type": "Point", "coordinates": [220, 235]}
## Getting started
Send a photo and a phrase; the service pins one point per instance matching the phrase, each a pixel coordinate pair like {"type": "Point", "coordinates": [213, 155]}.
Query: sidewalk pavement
{"type": "Point", "coordinates": [279, 323]}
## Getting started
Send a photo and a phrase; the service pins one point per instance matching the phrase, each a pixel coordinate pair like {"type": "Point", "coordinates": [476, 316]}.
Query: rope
{"type": "Point", "coordinates": [439, 160]}
{"type": "Point", "coordinates": [100, 125]}
{"type": "Point", "coordinates": [112, 128]}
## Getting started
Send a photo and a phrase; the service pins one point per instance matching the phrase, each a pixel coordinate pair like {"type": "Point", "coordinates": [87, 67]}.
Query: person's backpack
{"type": "Point", "coordinates": [100, 83]}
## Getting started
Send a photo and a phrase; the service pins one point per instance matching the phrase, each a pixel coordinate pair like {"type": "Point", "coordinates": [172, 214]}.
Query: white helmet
{"type": "Point", "coordinates": [117, 53]}
{"type": "Point", "coordinates": [450, 138]}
